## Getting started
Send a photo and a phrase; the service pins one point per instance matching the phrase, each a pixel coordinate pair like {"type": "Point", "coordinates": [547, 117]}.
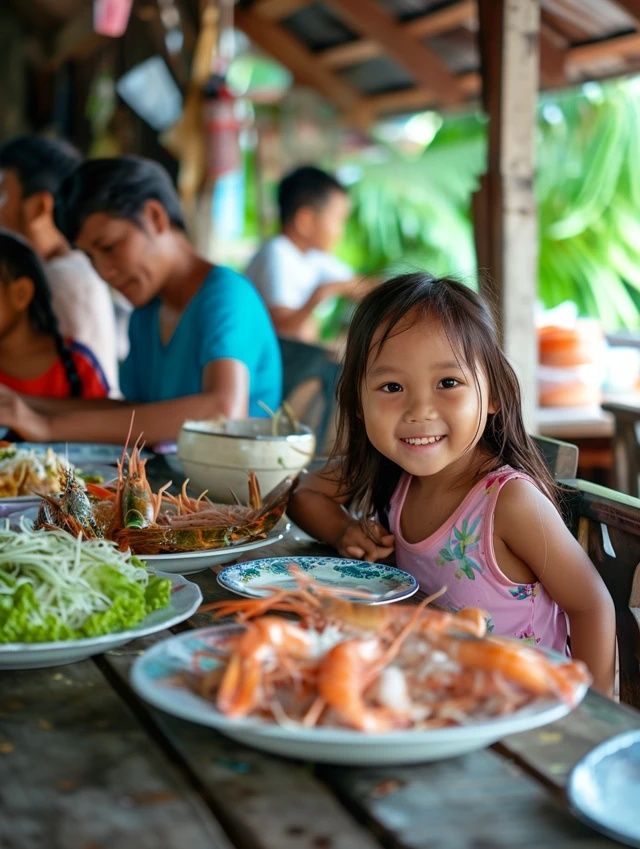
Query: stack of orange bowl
{"type": "Point", "coordinates": [571, 361]}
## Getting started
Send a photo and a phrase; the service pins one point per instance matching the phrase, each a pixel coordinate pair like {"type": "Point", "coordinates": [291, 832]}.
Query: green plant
{"type": "Point", "coordinates": [416, 211]}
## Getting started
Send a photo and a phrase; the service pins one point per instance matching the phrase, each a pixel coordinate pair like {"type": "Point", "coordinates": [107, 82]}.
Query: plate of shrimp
{"type": "Point", "coordinates": [356, 684]}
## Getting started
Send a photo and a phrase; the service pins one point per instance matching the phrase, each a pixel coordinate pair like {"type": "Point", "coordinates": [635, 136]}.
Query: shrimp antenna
{"type": "Point", "coordinates": [126, 442]}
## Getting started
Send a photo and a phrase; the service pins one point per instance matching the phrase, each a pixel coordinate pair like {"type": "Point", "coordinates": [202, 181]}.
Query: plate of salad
{"type": "Point", "coordinates": [64, 599]}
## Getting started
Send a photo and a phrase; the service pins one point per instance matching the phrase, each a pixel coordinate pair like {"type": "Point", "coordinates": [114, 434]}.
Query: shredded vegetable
{"type": "Point", "coordinates": [56, 587]}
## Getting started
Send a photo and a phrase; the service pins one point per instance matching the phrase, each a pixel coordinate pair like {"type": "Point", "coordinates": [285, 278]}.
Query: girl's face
{"type": "Point", "coordinates": [421, 403]}
{"type": "Point", "coordinates": [127, 256]}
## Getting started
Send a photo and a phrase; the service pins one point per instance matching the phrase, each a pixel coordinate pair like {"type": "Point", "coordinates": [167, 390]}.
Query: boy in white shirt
{"type": "Point", "coordinates": [294, 271]}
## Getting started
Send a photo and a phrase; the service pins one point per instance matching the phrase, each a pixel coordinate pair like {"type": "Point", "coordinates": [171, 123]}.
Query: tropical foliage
{"type": "Point", "coordinates": [415, 211]}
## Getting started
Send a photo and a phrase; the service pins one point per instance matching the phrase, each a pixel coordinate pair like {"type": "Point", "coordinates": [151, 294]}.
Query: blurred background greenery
{"type": "Point", "coordinates": [411, 192]}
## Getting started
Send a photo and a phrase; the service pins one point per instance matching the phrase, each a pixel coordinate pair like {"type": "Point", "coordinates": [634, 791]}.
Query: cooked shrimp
{"type": "Point", "coordinates": [344, 674]}
{"type": "Point", "coordinates": [526, 667]}
{"type": "Point", "coordinates": [266, 643]}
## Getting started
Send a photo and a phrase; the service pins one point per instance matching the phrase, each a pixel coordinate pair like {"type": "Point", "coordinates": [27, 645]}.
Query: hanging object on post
{"type": "Point", "coordinates": [224, 172]}
{"type": "Point", "coordinates": [110, 17]}
{"type": "Point", "coordinates": [222, 129]}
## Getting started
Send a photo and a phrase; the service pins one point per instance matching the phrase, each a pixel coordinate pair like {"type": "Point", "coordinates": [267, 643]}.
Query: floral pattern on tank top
{"type": "Point", "coordinates": [460, 555]}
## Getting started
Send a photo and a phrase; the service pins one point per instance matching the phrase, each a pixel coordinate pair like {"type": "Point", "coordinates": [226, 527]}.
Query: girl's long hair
{"type": "Point", "coordinates": [18, 259]}
{"type": "Point", "coordinates": [368, 479]}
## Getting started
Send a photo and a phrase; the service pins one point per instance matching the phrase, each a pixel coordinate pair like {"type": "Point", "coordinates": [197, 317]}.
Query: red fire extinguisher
{"type": "Point", "coordinates": [222, 129]}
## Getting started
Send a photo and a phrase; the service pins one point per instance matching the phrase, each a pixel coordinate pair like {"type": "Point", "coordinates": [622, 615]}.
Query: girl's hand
{"type": "Point", "coordinates": [18, 416]}
{"type": "Point", "coordinates": [374, 545]}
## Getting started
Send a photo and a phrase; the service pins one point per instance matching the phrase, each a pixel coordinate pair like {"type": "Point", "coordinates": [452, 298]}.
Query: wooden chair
{"type": "Point", "coordinates": [607, 525]}
{"type": "Point", "coordinates": [310, 375]}
{"type": "Point", "coordinates": [626, 446]}
{"type": "Point", "coordinates": [561, 457]}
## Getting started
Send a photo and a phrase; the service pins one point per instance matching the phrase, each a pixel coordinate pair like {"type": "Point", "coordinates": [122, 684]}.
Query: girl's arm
{"type": "Point", "coordinates": [225, 395]}
{"type": "Point", "coordinates": [528, 524]}
{"type": "Point", "coordinates": [318, 509]}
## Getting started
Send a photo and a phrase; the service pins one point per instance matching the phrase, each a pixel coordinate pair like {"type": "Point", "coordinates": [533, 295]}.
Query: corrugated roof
{"type": "Point", "coordinates": [372, 57]}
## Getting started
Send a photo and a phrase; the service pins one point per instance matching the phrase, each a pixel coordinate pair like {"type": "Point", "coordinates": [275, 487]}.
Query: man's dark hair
{"type": "Point", "coordinates": [305, 186]}
{"type": "Point", "coordinates": [119, 187]}
{"type": "Point", "coordinates": [40, 163]}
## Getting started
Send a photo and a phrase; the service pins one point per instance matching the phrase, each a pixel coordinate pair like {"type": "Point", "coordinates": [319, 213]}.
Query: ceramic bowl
{"type": "Point", "coordinates": [218, 455]}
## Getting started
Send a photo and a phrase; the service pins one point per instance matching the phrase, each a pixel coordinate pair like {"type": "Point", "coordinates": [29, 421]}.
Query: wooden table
{"type": "Point", "coordinates": [84, 764]}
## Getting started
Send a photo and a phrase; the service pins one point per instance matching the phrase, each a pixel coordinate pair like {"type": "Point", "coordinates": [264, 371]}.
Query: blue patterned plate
{"type": "Point", "coordinates": [372, 583]}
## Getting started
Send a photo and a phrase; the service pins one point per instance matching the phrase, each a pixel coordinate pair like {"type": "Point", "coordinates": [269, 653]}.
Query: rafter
{"type": "Point", "coordinates": [418, 98]}
{"type": "Point", "coordinates": [432, 24]}
{"type": "Point", "coordinates": [621, 46]}
{"type": "Point", "coordinates": [553, 58]}
{"type": "Point", "coordinates": [275, 40]}
{"type": "Point", "coordinates": [463, 13]}
{"type": "Point", "coordinates": [275, 10]}
{"type": "Point", "coordinates": [371, 19]}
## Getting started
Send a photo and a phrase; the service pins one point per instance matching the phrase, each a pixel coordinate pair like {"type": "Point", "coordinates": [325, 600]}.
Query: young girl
{"type": "Point", "coordinates": [34, 358]}
{"type": "Point", "coordinates": [431, 442]}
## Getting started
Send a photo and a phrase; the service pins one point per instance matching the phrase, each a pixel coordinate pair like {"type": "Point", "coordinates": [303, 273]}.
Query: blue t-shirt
{"type": "Point", "coordinates": [225, 319]}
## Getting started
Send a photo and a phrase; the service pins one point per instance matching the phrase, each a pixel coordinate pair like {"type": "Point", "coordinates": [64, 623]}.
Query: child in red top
{"type": "Point", "coordinates": [34, 358]}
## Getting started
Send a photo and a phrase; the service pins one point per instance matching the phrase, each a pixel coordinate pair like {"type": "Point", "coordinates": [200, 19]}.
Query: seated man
{"type": "Point", "coordinates": [31, 170]}
{"type": "Point", "coordinates": [294, 271]}
{"type": "Point", "coordinates": [202, 345]}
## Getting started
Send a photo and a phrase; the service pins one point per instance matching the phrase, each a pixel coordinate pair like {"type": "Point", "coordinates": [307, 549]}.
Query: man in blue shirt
{"type": "Point", "coordinates": [202, 342]}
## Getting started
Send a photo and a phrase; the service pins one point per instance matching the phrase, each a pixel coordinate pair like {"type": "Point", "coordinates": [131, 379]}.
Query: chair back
{"type": "Point", "coordinates": [561, 457]}
{"type": "Point", "coordinates": [310, 376]}
{"type": "Point", "coordinates": [607, 525]}
{"type": "Point", "coordinates": [626, 447]}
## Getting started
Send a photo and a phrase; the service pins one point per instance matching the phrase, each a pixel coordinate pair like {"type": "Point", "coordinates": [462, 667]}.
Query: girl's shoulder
{"type": "Point", "coordinates": [518, 499]}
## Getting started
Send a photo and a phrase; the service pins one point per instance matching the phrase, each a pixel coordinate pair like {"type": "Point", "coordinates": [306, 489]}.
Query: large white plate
{"type": "Point", "coordinates": [189, 562]}
{"type": "Point", "coordinates": [185, 600]}
{"type": "Point", "coordinates": [82, 453]}
{"type": "Point", "coordinates": [153, 676]}
{"type": "Point", "coordinates": [604, 788]}
{"type": "Point", "coordinates": [381, 583]}
{"type": "Point", "coordinates": [18, 503]}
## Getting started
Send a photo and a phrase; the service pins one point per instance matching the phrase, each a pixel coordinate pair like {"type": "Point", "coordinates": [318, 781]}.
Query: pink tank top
{"type": "Point", "coordinates": [460, 555]}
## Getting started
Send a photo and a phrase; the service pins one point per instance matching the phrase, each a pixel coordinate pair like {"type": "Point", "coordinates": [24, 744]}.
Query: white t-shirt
{"type": "Point", "coordinates": [285, 276]}
{"type": "Point", "coordinates": [82, 303]}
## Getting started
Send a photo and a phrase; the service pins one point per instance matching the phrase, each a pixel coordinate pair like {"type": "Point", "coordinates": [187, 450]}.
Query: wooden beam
{"type": "Point", "coordinates": [553, 58]}
{"type": "Point", "coordinates": [418, 98]}
{"type": "Point", "coordinates": [351, 53]}
{"type": "Point", "coordinates": [434, 23]}
{"type": "Point", "coordinates": [619, 46]}
{"type": "Point", "coordinates": [504, 208]}
{"type": "Point", "coordinates": [275, 40]}
{"type": "Point", "coordinates": [275, 10]}
{"type": "Point", "coordinates": [371, 19]}
{"type": "Point", "coordinates": [459, 14]}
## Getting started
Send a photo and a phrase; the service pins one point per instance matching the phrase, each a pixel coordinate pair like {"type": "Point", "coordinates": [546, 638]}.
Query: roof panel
{"type": "Point", "coordinates": [582, 20]}
{"type": "Point", "coordinates": [458, 49]}
{"type": "Point", "coordinates": [318, 27]}
{"type": "Point", "coordinates": [376, 76]}
{"type": "Point", "coordinates": [405, 10]}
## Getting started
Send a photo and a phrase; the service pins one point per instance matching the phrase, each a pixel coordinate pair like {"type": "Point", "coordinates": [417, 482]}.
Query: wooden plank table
{"type": "Point", "coordinates": [85, 764]}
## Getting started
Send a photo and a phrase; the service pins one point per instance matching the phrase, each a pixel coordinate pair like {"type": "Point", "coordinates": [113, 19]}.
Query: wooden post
{"type": "Point", "coordinates": [504, 208]}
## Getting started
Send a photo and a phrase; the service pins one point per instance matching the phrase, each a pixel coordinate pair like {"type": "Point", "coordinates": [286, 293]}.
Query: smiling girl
{"type": "Point", "coordinates": [433, 452]}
